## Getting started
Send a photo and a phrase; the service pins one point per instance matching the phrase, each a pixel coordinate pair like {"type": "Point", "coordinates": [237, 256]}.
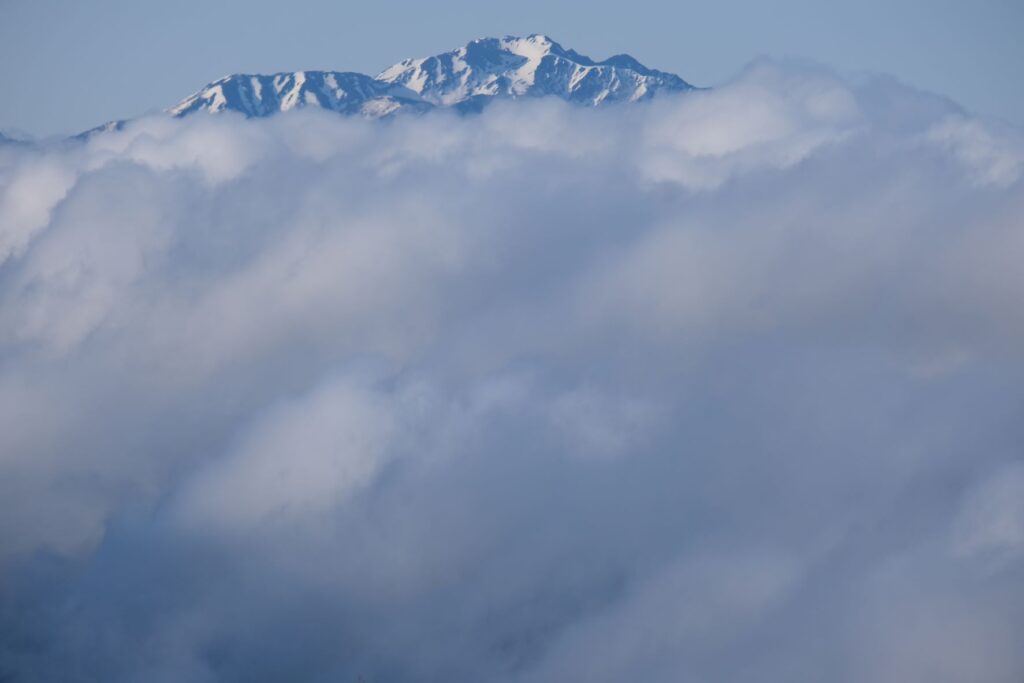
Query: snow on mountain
{"type": "Point", "coordinates": [108, 127]}
{"type": "Point", "coordinates": [533, 66]}
{"type": "Point", "coordinates": [258, 95]}
{"type": "Point", "coordinates": [465, 79]}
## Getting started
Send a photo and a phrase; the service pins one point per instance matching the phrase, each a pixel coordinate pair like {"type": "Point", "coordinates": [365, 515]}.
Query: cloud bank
{"type": "Point", "coordinates": [722, 387]}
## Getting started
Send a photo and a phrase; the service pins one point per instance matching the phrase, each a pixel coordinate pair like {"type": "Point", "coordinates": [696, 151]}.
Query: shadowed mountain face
{"type": "Point", "coordinates": [6, 140]}
{"type": "Point", "coordinates": [465, 79]}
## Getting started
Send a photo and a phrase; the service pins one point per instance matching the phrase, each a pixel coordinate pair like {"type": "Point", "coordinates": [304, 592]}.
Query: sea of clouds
{"type": "Point", "coordinates": [724, 387]}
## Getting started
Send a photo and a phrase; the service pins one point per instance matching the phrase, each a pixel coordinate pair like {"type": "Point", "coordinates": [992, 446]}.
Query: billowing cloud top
{"type": "Point", "coordinates": [721, 387]}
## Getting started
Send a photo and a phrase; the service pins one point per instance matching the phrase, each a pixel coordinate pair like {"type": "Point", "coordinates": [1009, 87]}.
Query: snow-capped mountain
{"type": "Point", "coordinates": [465, 79]}
{"type": "Point", "coordinates": [534, 66]}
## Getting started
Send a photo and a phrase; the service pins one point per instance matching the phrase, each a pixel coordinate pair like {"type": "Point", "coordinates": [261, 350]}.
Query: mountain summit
{"type": "Point", "coordinates": [465, 79]}
{"type": "Point", "coordinates": [534, 66]}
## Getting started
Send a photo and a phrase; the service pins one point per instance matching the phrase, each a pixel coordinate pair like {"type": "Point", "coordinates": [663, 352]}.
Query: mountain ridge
{"type": "Point", "coordinates": [258, 95]}
{"type": "Point", "coordinates": [465, 79]}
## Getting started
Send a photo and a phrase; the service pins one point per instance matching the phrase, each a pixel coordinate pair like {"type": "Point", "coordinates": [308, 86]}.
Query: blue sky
{"type": "Point", "coordinates": [67, 65]}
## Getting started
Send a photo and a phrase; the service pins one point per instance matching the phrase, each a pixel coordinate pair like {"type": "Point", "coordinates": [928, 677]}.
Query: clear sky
{"type": "Point", "coordinates": [66, 65]}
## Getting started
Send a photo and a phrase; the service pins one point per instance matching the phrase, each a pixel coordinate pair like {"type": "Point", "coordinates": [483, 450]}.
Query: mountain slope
{"type": "Point", "coordinates": [11, 142]}
{"type": "Point", "coordinates": [257, 95]}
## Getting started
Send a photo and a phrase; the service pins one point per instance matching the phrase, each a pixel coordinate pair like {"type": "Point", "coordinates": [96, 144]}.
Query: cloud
{"type": "Point", "coordinates": [717, 387]}
{"type": "Point", "coordinates": [992, 518]}
{"type": "Point", "coordinates": [994, 159]}
{"type": "Point", "coordinates": [305, 458]}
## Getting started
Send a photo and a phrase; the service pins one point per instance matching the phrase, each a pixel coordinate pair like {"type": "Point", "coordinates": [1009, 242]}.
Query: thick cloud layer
{"type": "Point", "coordinates": [726, 387]}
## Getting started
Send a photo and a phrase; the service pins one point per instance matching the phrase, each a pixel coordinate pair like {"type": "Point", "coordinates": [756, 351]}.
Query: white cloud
{"type": "Point", "coordinates": [992, 156]}
{"type": "Point", "coordinates": [32, 187]}
{"type": "Point", "coordinates": [659, 391]}
{"type": "Point", "coordinates": [992, 517]}
{"type": "Point", "coordinates": [304, 458]}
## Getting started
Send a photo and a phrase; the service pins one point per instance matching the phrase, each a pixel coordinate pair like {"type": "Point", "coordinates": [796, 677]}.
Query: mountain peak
{"type": "Point", "coordinates": [534, 66]}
